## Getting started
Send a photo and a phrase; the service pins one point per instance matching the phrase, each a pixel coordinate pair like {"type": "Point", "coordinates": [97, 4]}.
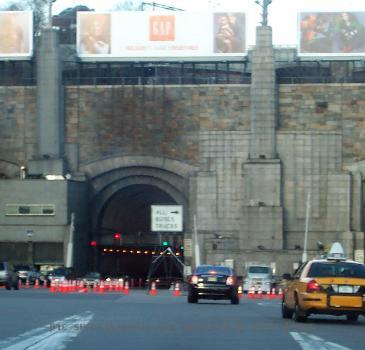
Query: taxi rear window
{"type": "Point", "coordinates": [337, 269]}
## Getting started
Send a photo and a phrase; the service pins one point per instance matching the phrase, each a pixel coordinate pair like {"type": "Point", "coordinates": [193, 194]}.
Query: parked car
{"type": "Point", "coordinates": [333, 286]}
{"type": "Point", "coordinates": [213, 282]}
{"type": "Point", "coordinates": [27, 272]}
{"type": "Point", "coordinates": [61, 274]}
{"type": "Point", "coordinates": [91, 279]}
{"type": "Point", "coordinates": [8, 276]}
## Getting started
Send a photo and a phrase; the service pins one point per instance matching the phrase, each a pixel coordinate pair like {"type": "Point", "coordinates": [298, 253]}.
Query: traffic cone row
{"type": "Point", "coordinates": [252, 294]}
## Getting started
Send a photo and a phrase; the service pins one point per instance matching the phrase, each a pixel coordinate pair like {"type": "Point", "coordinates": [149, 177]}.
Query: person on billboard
{"type": "Point", "coordinates": [315, 33]}
{"type": "Point", "coordinates": [94, 33]}
{"type": "Point", "coordinates": [13, 40]}
{"type": "Point", "coordinates": [350, 33]}
{"type": "Point", "coordinates": [228, 36]}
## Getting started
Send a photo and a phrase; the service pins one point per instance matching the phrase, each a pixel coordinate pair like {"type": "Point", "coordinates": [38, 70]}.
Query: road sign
{"type": "Point", "coordinates": [166, 218]}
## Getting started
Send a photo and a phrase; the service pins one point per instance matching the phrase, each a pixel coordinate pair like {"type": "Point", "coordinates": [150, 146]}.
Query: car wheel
{"type": "Point", "coordinates": [192, 299]}
{"type": "Point", "coordinates": [352, 317]}
{"type": "Point", "coordinates": [285, 311]}
{"type": "Point", "coordinates": [299, 315]}
{"type": "Point", "coordinates": [7, 287]}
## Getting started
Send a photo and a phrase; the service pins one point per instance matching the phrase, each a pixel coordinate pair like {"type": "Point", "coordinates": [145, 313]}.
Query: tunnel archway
{"type": "Point", "coordinates": [122, 192]}
{"type": "Point", "coordinates": [126, 243]}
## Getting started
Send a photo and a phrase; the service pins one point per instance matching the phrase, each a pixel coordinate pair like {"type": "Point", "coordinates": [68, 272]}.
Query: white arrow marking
{"type": "Point", "coordinates": [312, 342]}
{"type": "Point", "coordinates": [52, 336]}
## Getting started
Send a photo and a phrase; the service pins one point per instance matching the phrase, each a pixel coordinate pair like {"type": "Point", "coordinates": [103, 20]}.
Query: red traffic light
{"type": "Point", "coordinates": [117, 235]}
{"type": "Point", "coordinates": [93, 243]}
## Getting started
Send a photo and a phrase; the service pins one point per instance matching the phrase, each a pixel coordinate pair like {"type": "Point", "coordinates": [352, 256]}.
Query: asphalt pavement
{"type": "Point", "coordinates": [38, 319]}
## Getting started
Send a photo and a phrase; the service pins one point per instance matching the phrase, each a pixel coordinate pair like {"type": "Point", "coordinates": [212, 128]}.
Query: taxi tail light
{"type": "Point", "coordinates": [313, 286]}
{"type": "Point", "coordinates": [194, 279]}
{"type": "Point", "coordinates": [230, 281]}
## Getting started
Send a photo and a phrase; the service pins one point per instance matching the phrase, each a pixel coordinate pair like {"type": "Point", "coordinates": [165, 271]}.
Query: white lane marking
{"type": "Point", "coordinates": [312, 342]}
{"type": "Point", "coordinates": [52, 336]}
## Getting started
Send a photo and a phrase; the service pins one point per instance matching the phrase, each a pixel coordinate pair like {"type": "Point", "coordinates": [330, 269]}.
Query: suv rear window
{"type": "Point", "coordinates": [338, 269]}
{"type": "Point", "coordinates": [258, 269]}
{"type": "Point", "coordinates": [218, 269]}
{"type": "Point", "coordinates": [2, 266]}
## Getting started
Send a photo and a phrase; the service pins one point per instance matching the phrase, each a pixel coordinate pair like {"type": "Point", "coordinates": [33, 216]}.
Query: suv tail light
{"type": "Point", "coordinates": [194, 279]}
{"type": "Point", "coordinates": [313, 286]}
{"type": "Point", "coordinates": [230, 281]}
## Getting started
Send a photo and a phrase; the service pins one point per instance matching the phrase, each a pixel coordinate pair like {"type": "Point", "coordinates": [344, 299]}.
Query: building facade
{"type": "Point", "coordinates": [245, 159]}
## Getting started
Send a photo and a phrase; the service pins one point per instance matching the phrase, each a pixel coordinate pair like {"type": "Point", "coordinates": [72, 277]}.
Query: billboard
{"type": "Point", "coordinates": [160, 35]}
{"type": "Point", "coordinates": [331, 33]}
{"type": "Point", "coordinates": [16, 34]}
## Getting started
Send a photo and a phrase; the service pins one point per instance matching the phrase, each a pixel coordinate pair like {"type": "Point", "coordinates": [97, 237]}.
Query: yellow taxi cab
{"type": "Point", "coordinates": [332, 285]}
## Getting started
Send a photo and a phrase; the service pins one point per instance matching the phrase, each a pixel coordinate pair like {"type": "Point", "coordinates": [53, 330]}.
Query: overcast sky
{"type": "Point", "coordinates": [282, 13]}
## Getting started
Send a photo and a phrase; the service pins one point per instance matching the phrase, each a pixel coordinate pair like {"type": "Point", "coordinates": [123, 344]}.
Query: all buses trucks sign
{"type": "Point", "coordinates": [166, 218]}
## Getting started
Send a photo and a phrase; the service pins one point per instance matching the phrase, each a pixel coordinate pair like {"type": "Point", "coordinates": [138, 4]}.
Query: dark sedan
{"type": "Point", "coordinates": [213, 282]}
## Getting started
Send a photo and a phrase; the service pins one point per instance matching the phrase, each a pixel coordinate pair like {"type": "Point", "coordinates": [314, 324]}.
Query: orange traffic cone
{"type": "Point", "coordinates": [36, 283]}
{"type": "Point", "coordinates": [52, 288]}
{"type": "Point", "coordinates": [268, 294]}
{"type": "Point", "coordinates": [126, 288]}
{"type": "Point", "coordinates": [153, 290]}
{"type": "Point", "coordinates": [280, 293]}
{"type": "Point", "coordinates": [251, 293]}
{"type": "Point", "coordinates": [27, 285]}
{"type": "Point", "coordinates": [120, 285]}
{"type": "Point", "coordinates": [101, 287]}
{"type": "Point", "coordinates": [259, 293]}
{"type": "Point", "coordinates": [240, 292]}
{"type": "Point", "coordinates": [177, 292]}
{"type": "Point", "coordinates": [273, 293]}
{"type": "Point", "coordinates": [19, 283]}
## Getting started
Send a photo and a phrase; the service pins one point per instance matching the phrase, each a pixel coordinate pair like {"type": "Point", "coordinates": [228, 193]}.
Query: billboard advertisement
{"type": "Point", "coordinates": [160, 35]}
{"type": "Point", "coordinates": [331, 33]}
{"type": "Point", "coordinates": [16, 35]}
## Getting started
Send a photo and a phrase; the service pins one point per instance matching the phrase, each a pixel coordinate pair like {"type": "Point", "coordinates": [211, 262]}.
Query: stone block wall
{"type": "Point", "coordinates": [326, 107]}
{"type": "Point", "coordinates": [17, 123]}
{"type": "Point", "coordinates": [154, 120]}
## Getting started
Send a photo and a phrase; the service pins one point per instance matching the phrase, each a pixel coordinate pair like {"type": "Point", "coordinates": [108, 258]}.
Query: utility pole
{"type": "Point", "coordinates": [305, 255]}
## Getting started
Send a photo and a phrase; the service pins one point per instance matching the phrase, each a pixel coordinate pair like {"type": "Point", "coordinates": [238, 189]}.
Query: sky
{"type": "Point", "coordinates": [279, 11]}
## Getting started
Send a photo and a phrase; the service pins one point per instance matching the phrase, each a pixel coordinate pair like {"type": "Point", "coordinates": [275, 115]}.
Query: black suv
{"type": "Point", "coordinates": [8, 276]}
{"type": "Point", "coordinates": [213, 282]}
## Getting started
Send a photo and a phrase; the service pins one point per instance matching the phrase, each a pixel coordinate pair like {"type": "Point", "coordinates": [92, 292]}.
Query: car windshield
{"type": "Point", "coordinates": [213, 269]}
{"type": "Point", "coordinates": [258, 269]}
{"type": "Point", "coordinates": [337, 269]}
{"type": "Point", "coordinates": [93, 275]}
{"type": "Point", "coordinates": [59, 272]}
{"type": "Point", "coordinates": [21, 268]}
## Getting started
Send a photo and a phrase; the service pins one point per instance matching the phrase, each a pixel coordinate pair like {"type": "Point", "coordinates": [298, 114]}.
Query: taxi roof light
{"type": "Point", "coordinates": [336, 252]}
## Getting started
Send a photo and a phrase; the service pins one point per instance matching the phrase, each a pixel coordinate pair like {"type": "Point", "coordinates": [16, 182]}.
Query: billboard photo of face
{"type": "Point", "coordinates": [229, 32]}
{"type": "Point", "coordinates": [15, 33]}
{"type": "Point", "coordinates": [94, 33]}
{"type": "Point", "coordinates": [332, 33]}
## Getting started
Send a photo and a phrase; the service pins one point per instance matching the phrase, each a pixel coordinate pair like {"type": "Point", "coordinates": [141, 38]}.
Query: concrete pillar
{"type": "Point", "coordinates": [50, 120]}
{"type": "Point", "coordinates": [263, 97]}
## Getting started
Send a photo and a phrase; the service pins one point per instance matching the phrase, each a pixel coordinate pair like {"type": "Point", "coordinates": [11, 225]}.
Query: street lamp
{"type": "Point", "coordinates": [30, 246]}
{"type": "Point", "coordinates": [264, 4]}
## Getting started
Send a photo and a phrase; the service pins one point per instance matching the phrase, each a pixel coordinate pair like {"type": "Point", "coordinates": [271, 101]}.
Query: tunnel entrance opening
{"type": "Point", "coordinates": [127, 246]}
